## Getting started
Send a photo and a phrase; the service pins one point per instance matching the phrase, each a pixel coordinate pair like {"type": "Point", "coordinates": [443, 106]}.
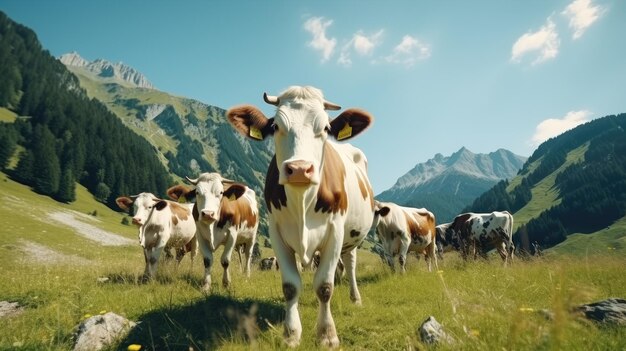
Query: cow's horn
{"type": "Point", "coordinates": [192, 181]}
{"type": "Point", "coordinates": [134, 196]}
{"type": "Point", "coordinates": [224, 180]}
{"type": "Point", "coordinates": [272, 100]}
{"type": "Point", "coordinates": [331, 106]}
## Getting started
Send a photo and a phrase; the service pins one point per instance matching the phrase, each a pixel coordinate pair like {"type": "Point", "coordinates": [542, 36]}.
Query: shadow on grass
{"type": "Point", "coordinates": [204, 325]}
{"type": "Point", "coordinates": [126, 278]}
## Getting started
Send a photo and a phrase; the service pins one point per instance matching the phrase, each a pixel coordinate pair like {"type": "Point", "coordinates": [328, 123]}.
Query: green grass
{"type": "Point", "coordinates": [606, 241]}
{"type": "Point", "coordinates": [478, 303]}
{"type": "Point", "coordinates": [7, 115]}
{"type": "Point", "coordinates": [544, 193]}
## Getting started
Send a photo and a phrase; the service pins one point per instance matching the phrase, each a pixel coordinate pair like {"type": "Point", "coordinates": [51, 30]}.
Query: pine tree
{"type": "Point", "coordinates": [46, 168]}
{"type": "Point", "coordinates": [67, 187]}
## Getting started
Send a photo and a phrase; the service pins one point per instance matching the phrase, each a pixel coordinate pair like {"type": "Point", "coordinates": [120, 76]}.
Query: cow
{"type": "Point", "coordinates": [405, 229]}
{"type": "Point", "coordinates": [162, 225]}
{"type": "Point", "coordinates": [268, 263]}
{"type": "Point", "coordinates": [318, 195]}
{"type": "Point", "coordinates": [476, 233]}
{"type": "Point", "coordinates": [226, 213]}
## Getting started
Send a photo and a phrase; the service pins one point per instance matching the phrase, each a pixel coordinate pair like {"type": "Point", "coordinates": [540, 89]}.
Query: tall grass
{"type": "Point", "coordinates": [482, 305]}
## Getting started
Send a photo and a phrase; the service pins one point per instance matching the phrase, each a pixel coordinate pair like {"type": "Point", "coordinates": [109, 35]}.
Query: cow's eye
{"type": "Point", "coordinates": [275, 127]}
{"type": "Point", "coordinates": [327, 129]}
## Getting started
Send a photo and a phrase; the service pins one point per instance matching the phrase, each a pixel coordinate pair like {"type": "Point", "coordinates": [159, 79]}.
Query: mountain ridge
{"type": "Point", "coordinates": [446, 184]}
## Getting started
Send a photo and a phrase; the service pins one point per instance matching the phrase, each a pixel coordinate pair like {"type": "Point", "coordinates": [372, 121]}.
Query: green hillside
{"type": "Point", "coordinates": [571, 192]}
{"type": "Point", "coordinates": [189, 136]}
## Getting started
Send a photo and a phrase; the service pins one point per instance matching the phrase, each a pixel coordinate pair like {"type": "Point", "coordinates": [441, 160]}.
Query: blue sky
{"type": "Point", "coordinates": [436, 75]}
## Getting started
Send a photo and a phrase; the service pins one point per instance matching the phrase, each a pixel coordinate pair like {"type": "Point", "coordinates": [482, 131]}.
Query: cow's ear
{"type": "Point", "coordinates": [384, 211]}
{"type": "Point", "coordinates": [124, 202]}
{"type": "Point", "coordinates": [250, 122]}
{"type": "Point", "coordinates": [160, 205]}
{"type": "Point", "coordinates": [350, 123]}
{"type": "Point", "coordinates": [234, 191]}
{"type": "Point", "coordinates": [177, 191]}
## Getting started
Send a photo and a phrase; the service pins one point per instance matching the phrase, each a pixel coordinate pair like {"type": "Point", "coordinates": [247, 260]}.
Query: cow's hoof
{"type": "Point", "coordinates": [206, 288]}
{"type": "Point", "coordinates": [357, 302]}
{"type": "Point", "coordinates": [329, 341]}
{"type": "Point", "coordinates": [292, 341]}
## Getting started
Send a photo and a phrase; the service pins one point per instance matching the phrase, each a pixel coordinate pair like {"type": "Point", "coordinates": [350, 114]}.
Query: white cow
{"type": "Point", "coordinates": [475, 233]}
{"type": "Point", "coordinates": [226, 214]}
{"type": "Point", "coordinates": [317, 193]}
{"type": "Point", "coordinates": [405, 229]}
{"type": "Point", "coordinates": [162, 225]}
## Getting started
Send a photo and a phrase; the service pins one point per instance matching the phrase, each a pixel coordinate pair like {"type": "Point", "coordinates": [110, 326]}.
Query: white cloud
{"type": "Point", "coordinates": [317, 27]}
{"type": "Point", "coordinates": [409, 51]}
{"type": "Point", "coordinates": [545, 42]}
{"type": "Point", "coordinates": [364, 45]}
{"type": "Point", "coordinates": [582, 14]}
{"type": "Point", "coordinates": [360, 43]}
{"type": "Point", "coordinates": [554, 126]}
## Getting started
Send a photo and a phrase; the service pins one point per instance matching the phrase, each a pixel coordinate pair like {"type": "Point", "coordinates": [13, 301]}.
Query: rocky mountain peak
{"type": "Point", "coordinates": [106, 69]}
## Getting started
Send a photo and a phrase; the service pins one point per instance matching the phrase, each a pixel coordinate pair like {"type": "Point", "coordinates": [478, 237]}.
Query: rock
{"type": "Point", "coordinates": [432, 332]}
{"type": "Point", "coordinates": [9, 309]}
{"type": "Point", "coordinates": [610, 311]}
{"type": "Point", "coordinates": [97, 332]}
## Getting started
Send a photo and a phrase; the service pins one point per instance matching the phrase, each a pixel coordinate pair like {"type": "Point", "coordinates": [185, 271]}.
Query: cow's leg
{"type": "Point", "coordinates": [502, 250]}
{"type": "Point", "coordinates": [349, 261]}
{"type": "Point", "coordinates": [323, 286]}
{"type": "Point", "coordinates": [180, 253]}
{"type": "Point", "coordinates": [152, 256]}
{"type": "Point", "coordinates": [405, 241]}
{"type": "Point", "coordinates": [431, 255]}
{"type": "Point", "coordinates": [207, 255]}
{"type": "Point", "coordinates": [249, 248]}
{"type": "Point", "coordinates": [292, 285]}
{"type": "Point", "coordinates": [192, 247]}
{"type": "Point", "coordinates": [229, 246]}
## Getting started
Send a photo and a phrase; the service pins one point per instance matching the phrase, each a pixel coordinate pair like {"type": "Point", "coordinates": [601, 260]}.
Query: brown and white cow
{"type": "Point", "coordinates": [226, 214]}
{"type": "Point", "coordinates": [317, 193]}
{"type": "Point", "coordinates": [162, 225]}
{"type": "Point", "coordinates": [405, 229]}
{"type": "Point", "coordinates": [476, 233]}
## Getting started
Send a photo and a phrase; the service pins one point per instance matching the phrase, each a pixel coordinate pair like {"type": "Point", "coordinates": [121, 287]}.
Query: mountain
{"type": "Point", "coordinates": [60, 136]}
{"type": "Point", "coordinates": [114, 72]}
{"type": "Point", "coordinates": [445, 185]}
{"type": "Point", "coordinates": [189, 136]}
{"type": "Point", "coordinates": [574, 183]}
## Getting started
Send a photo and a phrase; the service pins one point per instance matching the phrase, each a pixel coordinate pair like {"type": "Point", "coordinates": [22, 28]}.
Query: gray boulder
{"type": "Point", "coordinates": [610, 311]}
{"type": "Point", "coordinates": [432, 332]}
{"type": "Point", "coordinates": [9, 309]}
{"type": "Point", "coordinates": [97, 332]}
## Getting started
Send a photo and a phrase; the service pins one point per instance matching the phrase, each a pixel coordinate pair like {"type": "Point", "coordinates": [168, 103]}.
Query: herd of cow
{"type": "Point", "coordinates": [320, 208]}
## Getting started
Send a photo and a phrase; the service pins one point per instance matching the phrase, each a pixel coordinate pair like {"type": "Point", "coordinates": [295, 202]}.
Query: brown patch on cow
{"type": "Point", "coordinates": [331, 195]}
{"type": "Point", "coordinates": [324, 292]}
{"type": "Point", "coordinates": [290, 291]}
{"type": "Point", "coordinates": [354, 233]}
{"type": "Point", "coordinates": [236, 212]}
{"type": "Point", "coordinates": [124, 202]}
{"type": "Point", "coordinates": [174, 220]}
{"type": "Point", "coordinates": [366, 189]}
{"type": "Point", "coordinates": [179, 211]}
{"type": "Point", "coordinates": [274, 193]}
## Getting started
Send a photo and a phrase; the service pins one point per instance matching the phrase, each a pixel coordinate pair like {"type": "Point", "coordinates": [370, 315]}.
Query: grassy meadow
{"type": "Point", "coordinates": [482, 305]}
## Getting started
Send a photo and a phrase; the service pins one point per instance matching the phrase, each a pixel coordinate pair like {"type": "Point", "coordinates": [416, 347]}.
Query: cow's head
{"type": "Point", "coordinates": [142, 205]}
{"type": "Point", "coordinates": [211, 188]}
{"type": "Point", "coordinates": [380, 210]}
{"type": "Point", "coordinates": [300, 128]}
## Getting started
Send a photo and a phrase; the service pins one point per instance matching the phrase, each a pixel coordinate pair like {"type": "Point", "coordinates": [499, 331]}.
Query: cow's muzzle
{"type": "Point", "coordinates": [137, 221]}
{"type": "Point", "coordinates": [209, 216]}
{"type": "Point", "coordinates": [299, 172]}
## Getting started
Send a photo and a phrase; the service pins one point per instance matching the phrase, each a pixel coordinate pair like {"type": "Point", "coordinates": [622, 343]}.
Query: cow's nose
{"type": "Point", "coordinates": [208, 215]}
{"type": "Point", "coordinates": [299, 172]}
{"type": "Point", "coordinates": [136, 221]}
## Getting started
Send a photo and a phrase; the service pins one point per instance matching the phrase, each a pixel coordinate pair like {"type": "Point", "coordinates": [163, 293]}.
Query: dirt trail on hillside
{"type": "Point", "coordinates": [34, 252]}
{"type": "Point", "coordinates": [87, 230]}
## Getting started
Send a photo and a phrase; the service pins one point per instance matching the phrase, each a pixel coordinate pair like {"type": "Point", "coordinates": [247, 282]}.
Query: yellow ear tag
{"type": "Point", "coordinates": [232, 197]}
{"type": "Point", "coordinates": [346, 132]}
{"type": "Point", "coordinates": [256, 133]}
{"type": "Point", "coordinates": [182, 199]}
